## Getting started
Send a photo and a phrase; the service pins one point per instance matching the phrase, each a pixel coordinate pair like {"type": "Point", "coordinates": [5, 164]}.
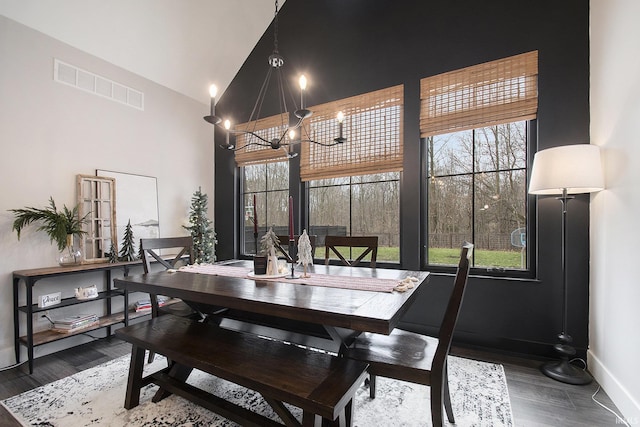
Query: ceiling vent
{"type": "Point", "coordinates": [89, 82]}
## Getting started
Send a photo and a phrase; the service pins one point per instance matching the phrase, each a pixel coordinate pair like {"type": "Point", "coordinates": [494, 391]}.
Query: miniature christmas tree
{"type": "Point", "coordinates": [305, 256]}
{"type": "Point", "coordinates": [204, 238]}
{"type": "Point", "coordinates": [268, 248]}
{"type": "Point", "coordinates": [113, 254]}
{"type": "Point", "coordinates": [127, 253]}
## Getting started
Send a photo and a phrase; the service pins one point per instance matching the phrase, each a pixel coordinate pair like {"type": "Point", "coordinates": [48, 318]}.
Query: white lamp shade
{"type": "Point", "coordinates": [576, 168]}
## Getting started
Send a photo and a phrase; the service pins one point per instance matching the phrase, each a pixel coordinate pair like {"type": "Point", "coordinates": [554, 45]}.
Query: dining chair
{"type": "Point", "coordinates": [417, 358]}
{"type": "Point", "coordinates": [338, 244]}
{"type": "Point", "coordinates": [182, 253]}
{"type": "Point", "coordinates": [284, 245]}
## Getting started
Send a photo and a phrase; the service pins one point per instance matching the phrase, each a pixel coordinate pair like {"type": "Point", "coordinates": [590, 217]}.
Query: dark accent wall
{"type": "Point", "coordinates": [356, 46]}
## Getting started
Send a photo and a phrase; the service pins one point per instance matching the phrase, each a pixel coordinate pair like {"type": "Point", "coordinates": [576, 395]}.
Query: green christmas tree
{"type": "Point", "coordinates": [113, 254]}
{"type": "Point", "coordinates": [127, 252]}
{"type": "Point", "coordinates": [204, 238]}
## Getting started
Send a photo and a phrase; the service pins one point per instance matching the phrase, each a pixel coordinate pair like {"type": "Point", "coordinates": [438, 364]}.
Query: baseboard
{"type": "Point", "coordinates": [628, 406]}
{"type": "Point", "coordinates": [7, 357]}
{"type": "Point", "coordinates": [522, 348]}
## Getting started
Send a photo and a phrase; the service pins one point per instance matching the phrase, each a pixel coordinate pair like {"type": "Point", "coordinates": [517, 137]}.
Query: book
{"type": "Point", "coordinates": [78, 321]}
{"type": "Point", "coordinates": [145, 304]}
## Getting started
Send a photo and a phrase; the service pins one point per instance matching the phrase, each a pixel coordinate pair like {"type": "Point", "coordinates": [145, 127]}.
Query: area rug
{"type": "Point", "coordinates": [95, 397]}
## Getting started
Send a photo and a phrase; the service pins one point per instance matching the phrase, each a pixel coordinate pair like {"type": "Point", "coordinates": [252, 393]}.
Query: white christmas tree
{"type": "Point", "coordinates": [304, 252]}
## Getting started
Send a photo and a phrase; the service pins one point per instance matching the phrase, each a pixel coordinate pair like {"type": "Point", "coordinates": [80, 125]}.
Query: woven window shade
{"type": "Point", "coordinates": [268, 128]}
{"type": "Point", "coordinates": [487, 94]}
{"type": "Point", "coordinates": [373, 128]}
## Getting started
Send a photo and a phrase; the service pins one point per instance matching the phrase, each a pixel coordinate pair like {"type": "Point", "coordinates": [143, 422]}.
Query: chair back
{"type": "Point", "coordinates": [149, 249]}
{"type": "Point", "coordinates": [369, 243]}
{"type": "Point", "coordinates": [284, 244]}
{"type": "Point", "coordinates": [448, 325]}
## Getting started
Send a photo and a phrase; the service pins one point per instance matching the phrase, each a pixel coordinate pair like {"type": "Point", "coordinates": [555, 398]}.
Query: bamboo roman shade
{"type": "Point", "coordinates": [268, 128]}
{"type": "Point", "coordinates": [373, 128]}
{"type": "Point", "coordinates": [495, 92]}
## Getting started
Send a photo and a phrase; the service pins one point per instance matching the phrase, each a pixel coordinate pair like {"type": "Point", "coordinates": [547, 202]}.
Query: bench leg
{"type": "Point", "coordinates": [178, 372]}
{"type": "Point", "coordinates": [134, 382]}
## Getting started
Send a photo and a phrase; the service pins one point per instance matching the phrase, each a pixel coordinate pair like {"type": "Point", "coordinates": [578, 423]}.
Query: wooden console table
{"type": "Point", "coordinates": [30, 277]}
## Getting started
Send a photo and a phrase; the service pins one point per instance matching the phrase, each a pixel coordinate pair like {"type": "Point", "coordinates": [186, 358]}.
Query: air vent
{"type": "Point", "coordinates": [98, 85]}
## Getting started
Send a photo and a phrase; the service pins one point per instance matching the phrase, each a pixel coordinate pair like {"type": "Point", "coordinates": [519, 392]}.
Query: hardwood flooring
{"type": "Point", "coordinates": [536, 400]}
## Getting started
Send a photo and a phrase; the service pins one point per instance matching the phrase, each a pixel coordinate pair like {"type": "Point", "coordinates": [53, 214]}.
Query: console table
{"type": "Point", "coordinates": [31, 277]}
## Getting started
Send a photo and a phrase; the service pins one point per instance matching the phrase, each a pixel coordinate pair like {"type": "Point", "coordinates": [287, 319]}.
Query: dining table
{"type": "Point", "coordinates": [325, 309]}
{"type": "Point", "coordinates": [340, 301]}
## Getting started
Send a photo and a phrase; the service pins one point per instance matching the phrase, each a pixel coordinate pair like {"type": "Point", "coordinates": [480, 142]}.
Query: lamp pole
{"type": "Point", "coordinates": [562, 370]}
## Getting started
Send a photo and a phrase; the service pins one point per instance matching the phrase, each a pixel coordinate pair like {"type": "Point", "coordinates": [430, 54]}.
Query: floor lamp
{"type": "Point", "coordinates": [569, 169]}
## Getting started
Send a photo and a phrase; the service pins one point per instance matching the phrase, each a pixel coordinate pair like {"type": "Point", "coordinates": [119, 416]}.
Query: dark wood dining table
{"type": "Point", "coordinates": [342, 312]}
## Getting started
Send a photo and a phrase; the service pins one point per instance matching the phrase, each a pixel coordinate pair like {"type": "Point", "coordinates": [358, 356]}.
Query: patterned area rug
{"type": "Point", "coordinates": [95, 397]}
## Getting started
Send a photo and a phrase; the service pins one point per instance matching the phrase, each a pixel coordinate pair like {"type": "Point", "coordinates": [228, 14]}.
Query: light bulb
{"type": "Point", "coordinates": [303, 82]}
{"type": "Point", "coordinates": [340, 116]}
{"type": "Point", "coordinates": [292, 134]}
{"type": "Point", "coordinates": [227, 124]}
{"type": "Point", "coordinates": [213, 91]}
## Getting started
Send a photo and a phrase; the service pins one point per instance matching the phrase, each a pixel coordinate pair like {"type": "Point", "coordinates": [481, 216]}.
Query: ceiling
{"type": "Point", "coordinates": [185, 45]}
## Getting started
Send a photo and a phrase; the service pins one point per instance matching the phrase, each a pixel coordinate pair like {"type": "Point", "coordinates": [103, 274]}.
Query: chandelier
{"type": "Point", "coordinates": [287, 136]}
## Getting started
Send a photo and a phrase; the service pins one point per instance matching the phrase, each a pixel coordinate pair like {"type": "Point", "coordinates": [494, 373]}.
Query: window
{"type": "Point", "coordinates": [265, 181]}
{"type": "Point", "coordinates": [354, 187]}
{"type": "Point", "coordinates": [267, 185]}
{"type": "Point", "coordinates": [476, 124]}
{"type": "Point", "coordinates": [476, 183]}
{"type": "Point", "coordinates": [367, 205]}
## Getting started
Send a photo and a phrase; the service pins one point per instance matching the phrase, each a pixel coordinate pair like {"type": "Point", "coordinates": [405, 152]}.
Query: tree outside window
{"type": "Point", "coordinates": [268, 184]}
{"type": "Point", "coordinates": [476, 184]}
{"type": "Point", "coordinates": [367, 205]}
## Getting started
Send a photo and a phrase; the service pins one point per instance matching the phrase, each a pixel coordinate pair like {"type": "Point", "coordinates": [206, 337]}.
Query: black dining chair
{"type": "Point", "coordinates": [339, 244]}
{"type": "Point", "coordinates": [182, 253]}
{"type": "Point", "coordinates": [417, 358]}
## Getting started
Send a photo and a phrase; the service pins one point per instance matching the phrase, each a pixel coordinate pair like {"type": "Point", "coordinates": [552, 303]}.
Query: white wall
{"type": "Point", "coordinates": [615, 212]}
{"type": "Point", "coordinates": [50, 132]}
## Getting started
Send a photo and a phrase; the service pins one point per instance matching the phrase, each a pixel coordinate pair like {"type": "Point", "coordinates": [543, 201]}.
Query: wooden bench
{"type": "Point", "coordinates": [322, 385]}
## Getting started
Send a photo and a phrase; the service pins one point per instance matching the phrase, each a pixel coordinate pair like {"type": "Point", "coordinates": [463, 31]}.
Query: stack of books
{"type": "Point", "coordinates": [145, 304]}
{"type": "Point", "coordinates": [73, 323]}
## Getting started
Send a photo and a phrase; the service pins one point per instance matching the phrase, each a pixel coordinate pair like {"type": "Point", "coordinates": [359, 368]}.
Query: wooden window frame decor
{"type": "Point", "coordinates": [97, 200]}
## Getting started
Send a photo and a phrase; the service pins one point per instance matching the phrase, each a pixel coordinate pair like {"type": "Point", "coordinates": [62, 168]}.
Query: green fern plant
{"type": "Point", "coordinates": [57, 224]}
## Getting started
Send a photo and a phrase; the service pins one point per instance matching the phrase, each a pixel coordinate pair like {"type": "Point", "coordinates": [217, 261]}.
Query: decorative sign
{"type": "Point", "coordinates": [49, 300]}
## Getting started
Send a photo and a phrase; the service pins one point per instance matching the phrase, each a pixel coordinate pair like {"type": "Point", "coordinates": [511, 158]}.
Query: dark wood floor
{"type": "Point", "coordinates": [536, 400]}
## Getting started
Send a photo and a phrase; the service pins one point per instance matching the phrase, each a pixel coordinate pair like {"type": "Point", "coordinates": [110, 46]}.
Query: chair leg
{"type": "Point", "coordinates": [372, 386]}
{"type": "Point", "coordinates": [447, 396]}
{"type": "Point", "coordinates": [436, 400]}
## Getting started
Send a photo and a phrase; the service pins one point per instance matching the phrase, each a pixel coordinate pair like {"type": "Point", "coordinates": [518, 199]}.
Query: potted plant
{"type": "Point", "coordinates": [60, 226]}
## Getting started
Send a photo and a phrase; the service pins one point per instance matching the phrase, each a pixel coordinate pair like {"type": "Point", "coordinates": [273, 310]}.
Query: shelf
{"type": "Point", "coordinates": [50, 335]}
{"type": "Point", "coordinates": [66, 302]}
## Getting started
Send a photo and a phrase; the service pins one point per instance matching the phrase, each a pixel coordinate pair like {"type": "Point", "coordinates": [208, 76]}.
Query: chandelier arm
{"type": "Point", "coordinates": [324, 144]}
{"type": "Point", "coordinates": [246, 145]}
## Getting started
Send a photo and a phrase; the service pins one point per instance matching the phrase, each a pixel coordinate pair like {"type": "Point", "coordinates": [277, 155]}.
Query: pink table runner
{"type": "Point", "coordinates": [345, 282]}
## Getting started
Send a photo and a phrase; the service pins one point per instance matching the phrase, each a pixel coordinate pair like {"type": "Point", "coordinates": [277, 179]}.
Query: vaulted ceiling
{"type": "Point", "coordinates": [184, 45]}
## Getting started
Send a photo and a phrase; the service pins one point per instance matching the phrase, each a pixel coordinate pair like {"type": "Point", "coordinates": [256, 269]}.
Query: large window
{"type": "Point", "coordinates": [367, 205]}
{"type": "Point", "coordinates": [475, 124]}
{"type": "Point", "coordinates": [476, 183]}
{"type": "Point", "coordinates": [268, 185]}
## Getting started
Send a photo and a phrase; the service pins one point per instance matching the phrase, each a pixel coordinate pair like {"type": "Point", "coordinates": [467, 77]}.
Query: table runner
{"type": "Point", "coordinates": [345, 282]}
